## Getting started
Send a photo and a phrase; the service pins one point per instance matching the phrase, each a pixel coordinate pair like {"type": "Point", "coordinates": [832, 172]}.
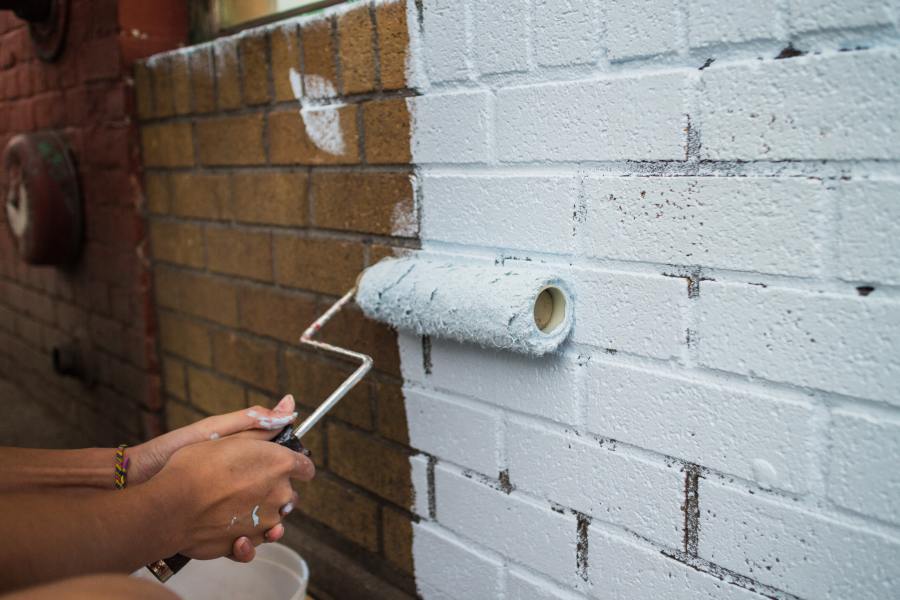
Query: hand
{"type": "Point", "coordinates": [257, 422]}
{"type": "Point", "coordinates": [231, 488]}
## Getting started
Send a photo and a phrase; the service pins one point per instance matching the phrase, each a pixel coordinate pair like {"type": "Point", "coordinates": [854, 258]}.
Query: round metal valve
{"type": "Point", "coordinates": [42, 203]}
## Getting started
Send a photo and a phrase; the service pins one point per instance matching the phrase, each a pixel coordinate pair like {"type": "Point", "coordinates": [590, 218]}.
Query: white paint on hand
{"type": "Point", "coordinates": [255, 517]}
{"type": "Point", "coordinates": [321, 121]}
{"type": "Point", "coordinates": [272, 423]}
{"type": "Point", "coordinates": [214, 436]}
{"type": "Point", "coordinates": [234, 520]}
{"type": "Point", "coordinates": [287, 509]}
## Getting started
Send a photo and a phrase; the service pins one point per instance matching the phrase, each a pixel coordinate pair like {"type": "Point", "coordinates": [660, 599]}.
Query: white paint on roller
{"type": "Point", "coordinates": [493, 306]}
{"type": "Point", "coordinates": [322, 122]}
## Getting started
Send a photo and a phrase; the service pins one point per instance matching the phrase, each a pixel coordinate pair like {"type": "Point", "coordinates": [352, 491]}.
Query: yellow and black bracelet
{"type": "Point", "coordinates": [121, 477]}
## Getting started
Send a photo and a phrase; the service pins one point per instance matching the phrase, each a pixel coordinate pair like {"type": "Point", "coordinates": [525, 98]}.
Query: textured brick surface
{"type": "Point", "coordinates": [301, 134]}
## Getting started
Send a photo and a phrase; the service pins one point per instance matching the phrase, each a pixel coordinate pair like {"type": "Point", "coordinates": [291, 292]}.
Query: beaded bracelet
{"type": "Point", "coordinates": [121, 477]}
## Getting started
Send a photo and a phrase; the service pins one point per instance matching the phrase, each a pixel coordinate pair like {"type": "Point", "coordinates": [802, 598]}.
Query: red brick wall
{"type": "Point", "coordinates": [105, 299]}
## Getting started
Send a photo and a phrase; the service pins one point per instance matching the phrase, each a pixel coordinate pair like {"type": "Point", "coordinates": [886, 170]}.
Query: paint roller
{"type": "Point", "coordinates": [521, 310]}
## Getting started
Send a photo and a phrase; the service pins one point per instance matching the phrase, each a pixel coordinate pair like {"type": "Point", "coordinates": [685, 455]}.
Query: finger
{"type": "Point", "coordinates": [255, 418]}
{"type": "Point", "coordinates": [302, 468]}
{"type": "Point", "coordinates": [289, 507]}
{"type": "Point", "coordinates": [275, 534]}
{"type": "Point", "coordinates": [242, 550]}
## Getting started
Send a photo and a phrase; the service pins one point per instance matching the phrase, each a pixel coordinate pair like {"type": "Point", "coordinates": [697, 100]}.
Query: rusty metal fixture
{"type": "Point", "coordinates": [47, 23]}
{"type": "Point", "coordinates": [43, 204]}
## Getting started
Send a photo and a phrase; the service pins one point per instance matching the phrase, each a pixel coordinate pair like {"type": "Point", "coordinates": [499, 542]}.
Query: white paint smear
{"type": "Point", "coordinates": [322, 122]}
{"type": "Point", "coordinates": [255, 517]}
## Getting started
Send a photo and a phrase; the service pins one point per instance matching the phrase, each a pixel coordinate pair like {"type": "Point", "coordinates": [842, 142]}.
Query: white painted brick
{"type": "Point", "coordinates": [841, 106]}
{"type": "Point", "coordinates": [412, 364]}
{"type": "Point", "coordinates": [809, 15]}
{"type": "Point", "coordinates": [578, 473]}
{"type": "Point", "coordinates": [521, 585]}
{"type": "Point", "coordinates": [731, 21]}
{"type": "Point", "coordinates": [621, 567]}
{"type": "Point", "coordinates": [450, 128]}
{"type": "Point", "coordinates": [522, 213]}
{"type": "Point", "coordinates": [787, 547]}
{"type": "Point", "coordinates": [753, 436]}
{"type": "Point", "coordinates": [844, 344]}
{"type": "Point", "coordinates": [464, 434]}
{"type": "Point", "coordinates": [500, 42]}
{"type": "Point", "coordinates": [546, 386]}
{"type": "Point", "coordinates": [868, 245]}
{"type": "Point", "coordinates": [640, 118]}
{"type": "Point", "coordinates": [511, 524]}
{"type": "Point", "coordinates": [708, 221]}
{"type": "Point", "coordinates": [447, 569]}
{"type": "Point", "coordinates": [640, 314]}
{"type": "Point", "coordinates": [445, 40]}
{"type": "Point", "coordinates": [863, 469]}
{"type": "Point", "coordinates": [418, 474]}
{"type": "Point", "coordinates": [566, 32]}
{"type": "Point", "coordinates": [636, 28]}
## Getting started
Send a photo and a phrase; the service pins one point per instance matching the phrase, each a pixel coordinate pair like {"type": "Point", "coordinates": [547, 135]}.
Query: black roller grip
{"type": "Point", "coordinates": [165, 568]}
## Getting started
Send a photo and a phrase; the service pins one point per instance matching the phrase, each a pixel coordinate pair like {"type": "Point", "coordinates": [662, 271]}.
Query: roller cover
{"type": "Point", "coordinates": [493, 306]}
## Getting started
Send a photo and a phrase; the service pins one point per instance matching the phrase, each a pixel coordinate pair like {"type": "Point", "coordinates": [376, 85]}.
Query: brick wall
{"type": "Point", "coordinates": [104, 300]}
{"type": "Point", "coordinates": [718, 183]}
{"type": "Point", "coordinates": [276, 168]}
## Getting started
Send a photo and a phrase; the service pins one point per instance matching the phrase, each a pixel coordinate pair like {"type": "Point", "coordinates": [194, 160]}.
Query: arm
{"type": "Point", "coordinates": [24, 469]}
{"type": "Point", "coordinates": [48, 536]}
{"type": "Point", "coordinates": [207, 495]}
{"type": "Point", "coordinates": [96, 587]}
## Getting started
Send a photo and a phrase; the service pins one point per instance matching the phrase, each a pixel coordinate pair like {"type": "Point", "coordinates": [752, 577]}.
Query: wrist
{"type": "Point", "coordinates": [168, 505]}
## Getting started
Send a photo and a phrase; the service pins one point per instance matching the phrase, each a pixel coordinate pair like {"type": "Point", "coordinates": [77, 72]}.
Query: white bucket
{"type": "Point", "coordinates": [277, 573]}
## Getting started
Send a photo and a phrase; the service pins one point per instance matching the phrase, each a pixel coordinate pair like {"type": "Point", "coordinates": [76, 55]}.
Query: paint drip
{"type": "Point", "coordinates": [493, 306]}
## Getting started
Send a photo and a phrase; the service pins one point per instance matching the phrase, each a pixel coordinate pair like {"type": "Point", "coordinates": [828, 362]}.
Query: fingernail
{"type": "Point", "coordinates": [287, 508]}
{"type": "Point", "coordinates": [244, 545]}
{"type": "Point", "coordinates": [283, 404]}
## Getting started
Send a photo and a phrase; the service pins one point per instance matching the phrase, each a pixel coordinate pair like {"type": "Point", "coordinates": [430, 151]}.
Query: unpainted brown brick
{"type": "Point", "coordinates": [157, 192]}
{"type": "Point", "coordinates": [254, 69]}
{"type": "Point", "coordinates": [228, 78]}
{"type": "Point", "coordinates": [249, 360]}
{"type": "Point", "coordinates": [271, 197]}
{"type": "Point", "coordinates": [143, 90]}
{"type": "Point", "coordinates": [180, 243]}
{"type": "Point", "coordinates": [386, 126]}
{"type": "Point", "coordinates": [240, 252]}
{"type": "Point", "coordinates": [289, 143]}
{"type": "Point", "coordinates": [356, 50]}
{"type": "Point", "coordinates": [338, 506]}
{"type": "Point", "coordinates": [351, 329]}
{"type": "Point", "coordinates": [312, 380]}
{"type": "Point", "coordinates": [213, 394]}
{"type": "Point", "coordinates": [163, 95]}
{"type": "Point", "coordinates": [393, 39]}
{"type": "Point", "coordinates": [181, 84]}
{"type": "Point", "coordinates": [368, 202]}
{"type": "Point", "coordinates": [203, 86]}
{"type": "Point", "coordinates": [231, 140]}
{"type": "Point", "coordinates": [392, 422]}
{"type": "Point", "coordinates": [369, 462]}
{"type": "Point", "coordinates": [178, 415]}
{"type": "Point", "coordinates": [185, 338]}
{"type": "Point", "coordinates": [318, 56]}
{"type": "Point", "coordinates": [199, 195]}
{"type": "Point", "coordinates": [320, 265]}
{"type": "Point", "coordinates": [167, 145]}
{"type": "Point", "coordinates": [202, 296]}
{"type": "Point", "coordinates": [277, 314]}
{"type": "Point", "coordinates": [174, 380]}
{"type": "Point", "coordinates": [285, 56]}
{"type": "Point", "coordinates": [397, 528]}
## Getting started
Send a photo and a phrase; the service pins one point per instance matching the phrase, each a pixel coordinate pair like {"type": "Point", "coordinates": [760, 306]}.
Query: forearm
{"type": "Point", "coordinates": [49, 536]}
{"type": "Point", "coordinates": [25, 469]}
